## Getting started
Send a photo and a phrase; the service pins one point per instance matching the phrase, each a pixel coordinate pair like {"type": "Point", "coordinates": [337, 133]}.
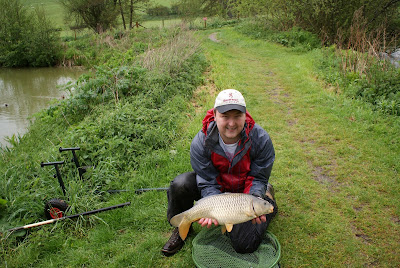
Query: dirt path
{"type": "Point", "coordinates": [213, 37]}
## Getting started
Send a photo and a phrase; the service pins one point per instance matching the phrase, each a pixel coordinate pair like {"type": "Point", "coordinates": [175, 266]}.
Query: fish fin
{"type": "Point", "coordinates": [176, 220]}
{"type": "Point", "coordinates": [184, 229]}
{"type": "Point", "coordinates": [223, 229]}
{"type": "Point", "coordinates": [182, 224]}
{"type": "Point", "coordinates": [250, 214]}
{"type": "Point", "coordinates": [229, 226]}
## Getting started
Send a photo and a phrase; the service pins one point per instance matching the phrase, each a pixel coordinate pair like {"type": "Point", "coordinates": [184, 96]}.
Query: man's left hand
{"type": "Point", "coordinates": [259, 220]}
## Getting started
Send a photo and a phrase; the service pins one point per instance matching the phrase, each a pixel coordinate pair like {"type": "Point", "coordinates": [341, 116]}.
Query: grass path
{"type": "Point", "coordinates": [336, 171]}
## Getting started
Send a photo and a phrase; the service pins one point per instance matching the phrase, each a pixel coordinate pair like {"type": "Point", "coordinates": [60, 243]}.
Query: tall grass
{"type": "Point", "coordinates": [172, 55]}
{"type": "Point", "coordinates": [362, 47]}
{"type": "Point", "coordinates": [363, 72]}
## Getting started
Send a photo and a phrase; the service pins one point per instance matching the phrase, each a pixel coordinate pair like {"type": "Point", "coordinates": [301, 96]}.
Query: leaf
{"type": "Point", "coordinates": [3, 202]}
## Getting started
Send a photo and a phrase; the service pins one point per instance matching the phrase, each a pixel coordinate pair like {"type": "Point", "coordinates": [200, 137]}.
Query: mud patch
{"type": "Point", "coordinates": [359, 234]}
{"type": "Point", "coordinates": [396, 220]}
{"type": "Point", "coordinates": [320, 174]}
{"type": "Point", "coordinates": [292, 122]}
{"type": "Point", "coordinates": [213, 37]}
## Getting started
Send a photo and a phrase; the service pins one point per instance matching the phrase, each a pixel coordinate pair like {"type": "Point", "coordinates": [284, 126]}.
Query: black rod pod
{"type": "Point", "coordinates": [81, 170]}
{"type": "Point", "coordinates": [58, 175]}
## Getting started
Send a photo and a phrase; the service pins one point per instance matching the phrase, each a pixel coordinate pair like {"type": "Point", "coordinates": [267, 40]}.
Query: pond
{"type": "Point", "coordinates": [24, 92]}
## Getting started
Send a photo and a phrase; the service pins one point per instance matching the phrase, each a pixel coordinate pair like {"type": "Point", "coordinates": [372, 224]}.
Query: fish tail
{"type": "Point", "coordinates": [184, 228]}
{"type": "Point", "coordinates": [182, 223]}
{"type": "Point", "coordinates": [176, 220]}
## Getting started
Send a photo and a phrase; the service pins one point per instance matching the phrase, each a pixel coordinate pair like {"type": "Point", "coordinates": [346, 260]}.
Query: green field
{"type": "Point", "coordinates": [53, 9]}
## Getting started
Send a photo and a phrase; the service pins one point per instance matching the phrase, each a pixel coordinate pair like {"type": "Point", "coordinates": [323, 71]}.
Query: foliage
{"type": "Point", "coordinates": [323, 18]}
{"type": "Point", "coordinates": [131, 8]}
{"type": "Point", "coordinates": [352, 64]}
{"type": "Point", "coordinates": [27, 38]}
{"type": "Point", "coordinates": [158, 10]}
{"type": "Point", "coordinates": [357, 67]}
{"type": "Point", "coordinates": [98, 15]}
{"type": "Point", "coordinates": [117, 115]}
{"type": "Point", "coordinates": [294, 37]}
{"type": "Point", "coordinates": [378, 83]}
{"type": "Point", "coordinates": [115, 47]}
{"type": "Point", "coordinates": [191, 9]}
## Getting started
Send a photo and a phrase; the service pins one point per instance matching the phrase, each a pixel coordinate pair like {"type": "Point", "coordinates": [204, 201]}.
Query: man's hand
{"type": "Point", "coordinates": [207, 222]}
{"type": "Point", "coordinates": [259, 220]}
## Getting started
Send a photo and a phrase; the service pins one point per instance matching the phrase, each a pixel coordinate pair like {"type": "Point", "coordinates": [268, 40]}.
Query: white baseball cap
{"type": "Point", "coordinates": [230, 99]}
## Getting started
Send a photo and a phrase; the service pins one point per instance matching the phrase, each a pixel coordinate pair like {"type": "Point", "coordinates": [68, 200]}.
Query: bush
{"type": "Point", "coordinates": [158, 11]}
{"type": "Point", "coordinates": [295, 37]}
{"type": "Point", "coordinates": [377, 82]}
{"type": "Point", "coordinates": [26, 38]}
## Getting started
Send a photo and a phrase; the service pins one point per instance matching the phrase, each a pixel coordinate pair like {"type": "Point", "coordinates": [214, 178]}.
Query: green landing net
{"type": "Point", "coordinates": [213, 249]}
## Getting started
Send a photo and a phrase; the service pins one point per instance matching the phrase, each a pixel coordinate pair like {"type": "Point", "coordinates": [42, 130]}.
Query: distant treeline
{"type": "Point", "coordinates": [160, 10]}
{"type": "Point", "coordinates": [322, 17]}
{"type": "Point", "coordinates": [28, 38]}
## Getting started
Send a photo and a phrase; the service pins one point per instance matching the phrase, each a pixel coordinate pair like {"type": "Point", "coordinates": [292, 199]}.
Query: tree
{"type": "Point", "coordinates": [129, 8]}
{"type": "Point", "coordinates": [97, 15]}
{"type": "Point", "coordinates": [322, 17]}
{"type": "Point", "coordinates": [27, 38]}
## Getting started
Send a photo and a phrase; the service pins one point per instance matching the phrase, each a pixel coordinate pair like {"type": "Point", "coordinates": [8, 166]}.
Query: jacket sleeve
{"type": "Point", "coordinates": [206, 173]}
{"type": "Point", "coordinates": [262, 159]}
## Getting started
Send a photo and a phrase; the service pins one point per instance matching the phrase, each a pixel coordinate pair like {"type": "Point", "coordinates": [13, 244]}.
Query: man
{"type": "Point", "coordinates": [231, 153]}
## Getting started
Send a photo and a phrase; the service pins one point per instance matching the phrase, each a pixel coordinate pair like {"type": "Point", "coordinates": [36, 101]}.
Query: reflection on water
{"type": "Point", "coordinates": [24, 92]}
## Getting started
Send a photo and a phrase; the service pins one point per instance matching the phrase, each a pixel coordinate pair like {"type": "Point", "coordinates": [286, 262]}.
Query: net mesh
{"type": "Point", "coordinates": [213, 249]}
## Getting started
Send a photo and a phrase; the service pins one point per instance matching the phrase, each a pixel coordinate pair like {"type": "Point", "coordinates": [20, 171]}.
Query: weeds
{"type": "Point", "coordinates": [170, 57]}
{"type": "Point", "coordinates": [355, 66]}
{"type": "Point", "coordinates": [295, 37]}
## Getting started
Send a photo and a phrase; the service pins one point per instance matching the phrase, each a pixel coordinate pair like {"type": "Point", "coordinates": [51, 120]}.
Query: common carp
{"type": "Point", "coordinates": [227, 208]}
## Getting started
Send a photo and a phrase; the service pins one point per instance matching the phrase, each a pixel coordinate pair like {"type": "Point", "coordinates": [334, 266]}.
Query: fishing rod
{"type": "Point", "coordinates": [68, 217]}
{"type": "Point", "coordinates": [137, 191]}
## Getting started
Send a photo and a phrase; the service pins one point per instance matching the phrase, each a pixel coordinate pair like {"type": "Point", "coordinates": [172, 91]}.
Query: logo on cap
{"type": "Point", "coordinates": [230, 99]}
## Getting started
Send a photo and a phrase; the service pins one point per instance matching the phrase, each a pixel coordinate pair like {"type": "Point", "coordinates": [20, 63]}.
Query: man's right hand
{"type": "Point", "coordinates": [207, 222]}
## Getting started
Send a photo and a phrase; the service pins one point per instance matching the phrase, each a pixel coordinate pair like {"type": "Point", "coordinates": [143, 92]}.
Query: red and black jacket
{"type": "Point", "coordinates": [250, 168]}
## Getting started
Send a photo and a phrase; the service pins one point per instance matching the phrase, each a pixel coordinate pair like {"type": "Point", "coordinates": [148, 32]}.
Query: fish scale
{"type": "Point", "coordinates": [227, 208]}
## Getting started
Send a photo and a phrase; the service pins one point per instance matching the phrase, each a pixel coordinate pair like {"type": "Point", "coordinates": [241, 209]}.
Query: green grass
{"type": "Point", "coordinates": [159, 23]}
{"type": "Point", "coordinates": [336, 174]}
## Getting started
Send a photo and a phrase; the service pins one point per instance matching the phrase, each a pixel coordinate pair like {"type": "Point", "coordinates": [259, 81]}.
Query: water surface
{"type": "Point", "coordinates": [24, 92]}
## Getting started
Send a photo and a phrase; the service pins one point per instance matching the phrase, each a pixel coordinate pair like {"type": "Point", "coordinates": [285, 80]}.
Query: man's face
{"type": "Point", "coordinates": [230, 125]}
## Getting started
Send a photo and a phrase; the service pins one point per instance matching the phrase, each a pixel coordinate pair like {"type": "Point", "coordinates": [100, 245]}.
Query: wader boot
{"type": "Point", "coordinates": [270, 197]}
{"type": "Point", "coordinates": [270, 191]}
